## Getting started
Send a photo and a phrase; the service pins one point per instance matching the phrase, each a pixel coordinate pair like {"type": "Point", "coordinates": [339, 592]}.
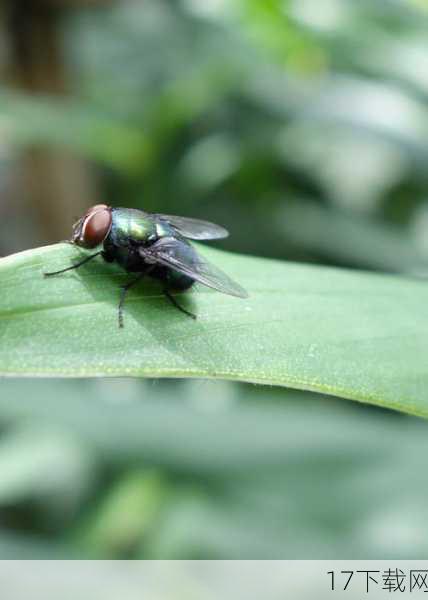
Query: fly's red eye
{"type": "Point", "coordinates": [96, 208]}
{"type": "Point", "coordinates": [94, 227]}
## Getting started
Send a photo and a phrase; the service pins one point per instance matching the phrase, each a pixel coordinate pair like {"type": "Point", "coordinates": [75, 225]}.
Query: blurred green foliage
{"type": "Point", "coordinates": [199, 469]}
{"type": "Point", "coordinates": [302, 126]}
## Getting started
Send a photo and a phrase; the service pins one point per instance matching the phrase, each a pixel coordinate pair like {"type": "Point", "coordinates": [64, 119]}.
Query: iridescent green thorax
{"type": "Point", "coordinates": [164, 229]}
{"type": "Point", "coordinates": [133, 229]}
{"type": "Point", "coordinates": [130, 225]}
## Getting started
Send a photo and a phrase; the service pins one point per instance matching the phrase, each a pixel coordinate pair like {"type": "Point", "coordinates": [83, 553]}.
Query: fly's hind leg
{"type": "Point", "coordinates": [177, 305]}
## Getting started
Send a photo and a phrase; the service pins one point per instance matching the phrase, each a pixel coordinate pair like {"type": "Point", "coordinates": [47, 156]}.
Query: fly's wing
{"type": "Point", "coordinates": [195, 229]}
{"type": "Point", "coordinates": [179, 255]}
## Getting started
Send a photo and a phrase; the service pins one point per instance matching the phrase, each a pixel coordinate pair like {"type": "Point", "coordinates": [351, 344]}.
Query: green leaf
{"type": "Point", "coordinates": [351, 334]}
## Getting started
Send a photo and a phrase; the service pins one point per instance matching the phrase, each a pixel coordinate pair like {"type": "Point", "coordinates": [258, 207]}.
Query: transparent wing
{"type": "Point", "coordinates": [179, 255]}
{"type": "Point", "coordinates": [195, 229]}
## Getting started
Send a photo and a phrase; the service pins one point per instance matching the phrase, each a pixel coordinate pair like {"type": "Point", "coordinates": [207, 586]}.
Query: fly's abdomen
{"type": "Point", "coordinates": [178, 281]}
{"type": "Point", "coordinates": [172, 279]}
{"type": "Point", "coordinates": [185, 254]}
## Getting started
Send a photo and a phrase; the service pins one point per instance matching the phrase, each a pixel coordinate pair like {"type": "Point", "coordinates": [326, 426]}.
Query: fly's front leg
{"type": "Point", "coordinates": [125, 290]}
{"type": "Point", "coordinates": [76, 266]}
{"type": "Point", "coordinates": [107, 256]}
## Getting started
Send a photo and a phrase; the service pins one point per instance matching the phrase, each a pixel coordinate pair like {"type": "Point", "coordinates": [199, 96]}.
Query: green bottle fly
{"type": "Point", "coordinates": [152, 244]}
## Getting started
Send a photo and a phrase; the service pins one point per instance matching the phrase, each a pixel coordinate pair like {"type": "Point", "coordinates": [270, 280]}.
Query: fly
{"type": "Point", "coordinates": [154, 245]}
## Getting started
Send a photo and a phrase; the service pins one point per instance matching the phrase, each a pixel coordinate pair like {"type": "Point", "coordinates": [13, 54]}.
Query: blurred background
{"type": "Point", "coordinates": [301, 126]}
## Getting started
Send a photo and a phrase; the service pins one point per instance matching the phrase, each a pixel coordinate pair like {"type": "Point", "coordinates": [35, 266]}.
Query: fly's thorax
{"type": "Point", "coordinates": [164, 229]}
{"type": "Point", "coordinates": [131, 227]}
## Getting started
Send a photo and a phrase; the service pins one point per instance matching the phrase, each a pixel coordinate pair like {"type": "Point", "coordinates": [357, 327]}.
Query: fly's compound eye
{"type": "Point", "coordinates": [93, 228]}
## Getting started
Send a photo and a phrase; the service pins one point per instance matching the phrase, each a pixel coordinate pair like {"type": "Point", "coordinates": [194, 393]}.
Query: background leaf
{"type": "Point", "coordinates": [207, 468]}
{"type": "Point", "coordinates": [352, 334]}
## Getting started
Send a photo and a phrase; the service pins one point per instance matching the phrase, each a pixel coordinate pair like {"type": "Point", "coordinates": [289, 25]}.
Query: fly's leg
{"type": "Point", "coordinates": [107, 256]}
{"type": "Point", "coordinates": [177, 305]}
{"type": "Point", "coordinates": [125, 290]}
{"type": "Point", "coordinates": [76, 266]}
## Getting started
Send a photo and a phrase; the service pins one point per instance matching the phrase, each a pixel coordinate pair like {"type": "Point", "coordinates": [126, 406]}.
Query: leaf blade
{"type": "Point", "coordinates": [351, 334]}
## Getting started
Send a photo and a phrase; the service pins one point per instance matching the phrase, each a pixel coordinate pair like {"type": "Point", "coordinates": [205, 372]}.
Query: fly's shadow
{"type": "Point", "coordinates": [105, 282]}
{"type": "Point", "coordinates": [126, 285]}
